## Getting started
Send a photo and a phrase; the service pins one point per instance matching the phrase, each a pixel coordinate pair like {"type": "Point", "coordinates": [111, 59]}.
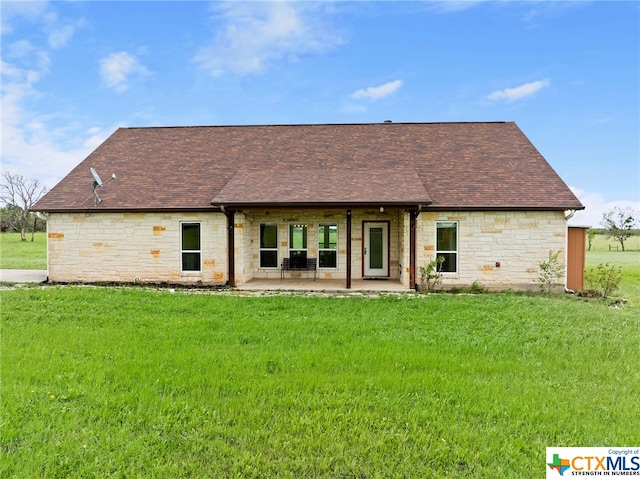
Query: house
{"type": "Point", "coordinates": [222, 205]}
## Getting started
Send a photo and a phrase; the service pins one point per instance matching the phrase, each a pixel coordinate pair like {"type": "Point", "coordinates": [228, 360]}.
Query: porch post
{"type": "Point", "coordinates": [231, 248]}
{"type": "Point", "coordinates": [412, 248]}
{"type": "Point", "coordinates": [348, 285]}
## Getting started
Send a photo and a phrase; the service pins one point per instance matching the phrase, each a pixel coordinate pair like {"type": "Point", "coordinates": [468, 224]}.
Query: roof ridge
{"type": "Point", "coordinates": [275, 125]}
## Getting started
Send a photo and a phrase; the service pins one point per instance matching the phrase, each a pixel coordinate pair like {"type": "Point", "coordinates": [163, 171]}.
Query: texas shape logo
{"type": "Point", "coordinates": [558, 464]}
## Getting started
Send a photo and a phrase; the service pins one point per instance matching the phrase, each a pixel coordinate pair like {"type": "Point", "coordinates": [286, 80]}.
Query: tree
{"type": "Point", "coordinates": [20, 194]}
{"type": "Point", "coordinates": [619, 223]}
{"type": "Point", "coordinates": [591, 234]}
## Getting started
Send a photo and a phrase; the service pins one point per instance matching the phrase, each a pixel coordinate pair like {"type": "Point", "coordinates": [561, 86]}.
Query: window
{"type": "Point", "coordinates": [298, 244]}
{"type": "Point", "coordinates": [268, 245]}
{"type": "Point", "coordinates": [191, 247]}
{"type": "Point", "coordinates": [447, 245]}
{"type": "Point", "coordinates": [328, 245]}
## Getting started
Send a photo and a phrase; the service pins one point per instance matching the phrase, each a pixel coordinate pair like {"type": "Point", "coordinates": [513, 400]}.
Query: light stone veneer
{"type": "Point", "coordinates": [132, 247]}
{"type": "Point", "coordinates": [516, 240]}
{"type": "Point", "coordinates": [145, 247]}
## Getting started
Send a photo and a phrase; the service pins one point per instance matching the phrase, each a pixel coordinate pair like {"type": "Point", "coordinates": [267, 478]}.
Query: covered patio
{"type": "Point", "coordinates": [358, 224]}
{"type": "Point", "coordinates": [333, 285]}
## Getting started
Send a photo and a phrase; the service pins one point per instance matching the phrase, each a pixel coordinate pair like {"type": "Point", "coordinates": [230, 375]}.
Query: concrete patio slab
{"type": "Point", "coordinates": [337, 285]}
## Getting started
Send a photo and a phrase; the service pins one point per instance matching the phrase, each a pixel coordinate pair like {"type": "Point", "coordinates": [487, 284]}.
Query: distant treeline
{"type": "Point", "coordinates": [602, 231]}
{"type": "Point", "coordinates": [10, 221]}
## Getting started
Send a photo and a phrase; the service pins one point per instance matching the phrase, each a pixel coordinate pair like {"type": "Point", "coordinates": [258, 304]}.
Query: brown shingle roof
{"type": "Point", "coordinates": [446, 165]}
{"type": "Point", "coordinates": [324, 186]}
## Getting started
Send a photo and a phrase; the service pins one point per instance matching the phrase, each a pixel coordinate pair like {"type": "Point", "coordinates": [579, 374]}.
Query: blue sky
{"type": "Point", "coordinates": [567, 72]}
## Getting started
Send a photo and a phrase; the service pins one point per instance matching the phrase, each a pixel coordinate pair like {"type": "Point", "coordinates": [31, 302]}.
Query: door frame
{"type": "Point", "coordinates": [387, 223]}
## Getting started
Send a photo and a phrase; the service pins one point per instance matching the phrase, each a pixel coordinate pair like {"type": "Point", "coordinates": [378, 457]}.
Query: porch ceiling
{"type": "Point", "coordinates": [323, 186]}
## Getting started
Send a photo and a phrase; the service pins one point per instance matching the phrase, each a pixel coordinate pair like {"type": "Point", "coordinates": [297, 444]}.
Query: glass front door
{"type": "Point", "coordinates": [376, 250]}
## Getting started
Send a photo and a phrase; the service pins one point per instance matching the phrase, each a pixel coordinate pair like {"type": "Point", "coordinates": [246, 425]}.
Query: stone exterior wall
{"type": "Point", "coordinates": [498, 250]}
{"type": "Point", "coordinates": [243, 242]}
{"type": "Point", "coordinates": [404, 230]}
{"type": "Point", "coordinates": [133, 247]}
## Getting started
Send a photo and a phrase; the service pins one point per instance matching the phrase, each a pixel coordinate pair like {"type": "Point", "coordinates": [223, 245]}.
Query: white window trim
{"type": "Point", "coordinates": [261, 249]}
{"type": "Point", "coordinates": [188, 272]}
{"type": "Point", "coordinates": [449, 274]}
{"type": "Point", "coordinates": [330, 268]}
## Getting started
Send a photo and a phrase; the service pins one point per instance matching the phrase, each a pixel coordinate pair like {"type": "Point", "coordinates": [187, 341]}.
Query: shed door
{"type": "Point", "coordinates": [576, 258]}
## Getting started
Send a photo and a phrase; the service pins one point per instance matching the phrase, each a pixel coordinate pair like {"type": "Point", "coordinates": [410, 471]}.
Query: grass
{"type": "Point", "coordinates": [628, 260]}
{"type": "Point", "coordinates": [17, 254]}
{"type": "Point", "coordinates": [602, 243]}
{"type": "Point", "coordinates": [135, 382]}
{"type": "Point", "coordinates": [129, 382]}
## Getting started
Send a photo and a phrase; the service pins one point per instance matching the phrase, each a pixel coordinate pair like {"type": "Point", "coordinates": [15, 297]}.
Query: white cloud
{"type": "Point", "coordinates": [59, 36]}
{"type": "Point", "coordinates": [376, 92]}
{"type": "Point", "coordinates": [522, 91]}
{"type": "Point", "coordinates": [254, 36]}
{"type": "Point", "coordinates": [453, 6]}
{"type": "Point", "coordinates": [595, 206]}
{"type": "Point", "coordinates": [602, 120]}
{"type": "Point", "coordinates": [117, 68]}
{"type": "Point", "coordinates": [34, 62]}
{"type": "Point", "coordinates": [30, 146]}
{"type": "Point", "coordinates": [58, 31]}
{"type": "Point", "coordinates": [31, 11]}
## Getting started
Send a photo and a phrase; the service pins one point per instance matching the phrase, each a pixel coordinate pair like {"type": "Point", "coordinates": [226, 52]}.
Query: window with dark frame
{"type": "Point", "coordinates": [447, 245]}
{"type": "Point", "coordinates": [328, 245]}
{"type": "Point", "coordinates": [268, 245]}
{"type": "Point", "coordinates": [191, 253]}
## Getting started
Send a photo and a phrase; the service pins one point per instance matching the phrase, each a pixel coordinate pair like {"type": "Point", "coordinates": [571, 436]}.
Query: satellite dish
{"type": "Point", "coordinates": [96, 177]}
{"type": "Point", "coordinates": [97, 181]}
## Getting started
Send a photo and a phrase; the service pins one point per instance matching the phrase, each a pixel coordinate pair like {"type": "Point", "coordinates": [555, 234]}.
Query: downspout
{"type": "Point", "coordinates": [348, 285]}
{"type": "Point", "coordinates": [413, 215]}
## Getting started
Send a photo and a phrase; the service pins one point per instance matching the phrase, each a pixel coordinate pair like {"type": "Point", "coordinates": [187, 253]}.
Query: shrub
{"type": "Point", "coordinates": [430, 275]}
{"type": "Point", "coordinates": [604, 279]}
{"type": "Point", "coordinates": [551, 271]}
{"type": "Point", "coordinates": [477, 288]}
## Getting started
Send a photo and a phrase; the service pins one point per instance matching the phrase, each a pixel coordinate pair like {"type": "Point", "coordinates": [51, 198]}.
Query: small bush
{"type": "Point", "coordinates": [551, 271]}
{"type": "Point", "coordinates": [430, 275]}
{"type": "Point", "coordinates": [603, 279]}
{"type": "Point", "coordinates": [477, 288]}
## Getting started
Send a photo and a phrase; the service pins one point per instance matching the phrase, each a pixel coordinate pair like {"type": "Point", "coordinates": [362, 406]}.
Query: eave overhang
{"type": "Point", "coordinates": [239, 206]}
{"type": "Point", "coordinates": [418, 205]}
{"type": "Point", "coordinates": [438, 208]}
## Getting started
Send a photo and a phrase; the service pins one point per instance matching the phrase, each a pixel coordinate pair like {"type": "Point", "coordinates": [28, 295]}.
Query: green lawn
{"type": "Point", "coordinates": [629, 260]}
{"type": "Point", "coordinates": [136, 382]}
{"type": "Point", "coordinates": [132, 382]}
{"type": "Point", "coordinates": [601, 243]}
{"type": "Point", "coordinates": [17, 254]}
